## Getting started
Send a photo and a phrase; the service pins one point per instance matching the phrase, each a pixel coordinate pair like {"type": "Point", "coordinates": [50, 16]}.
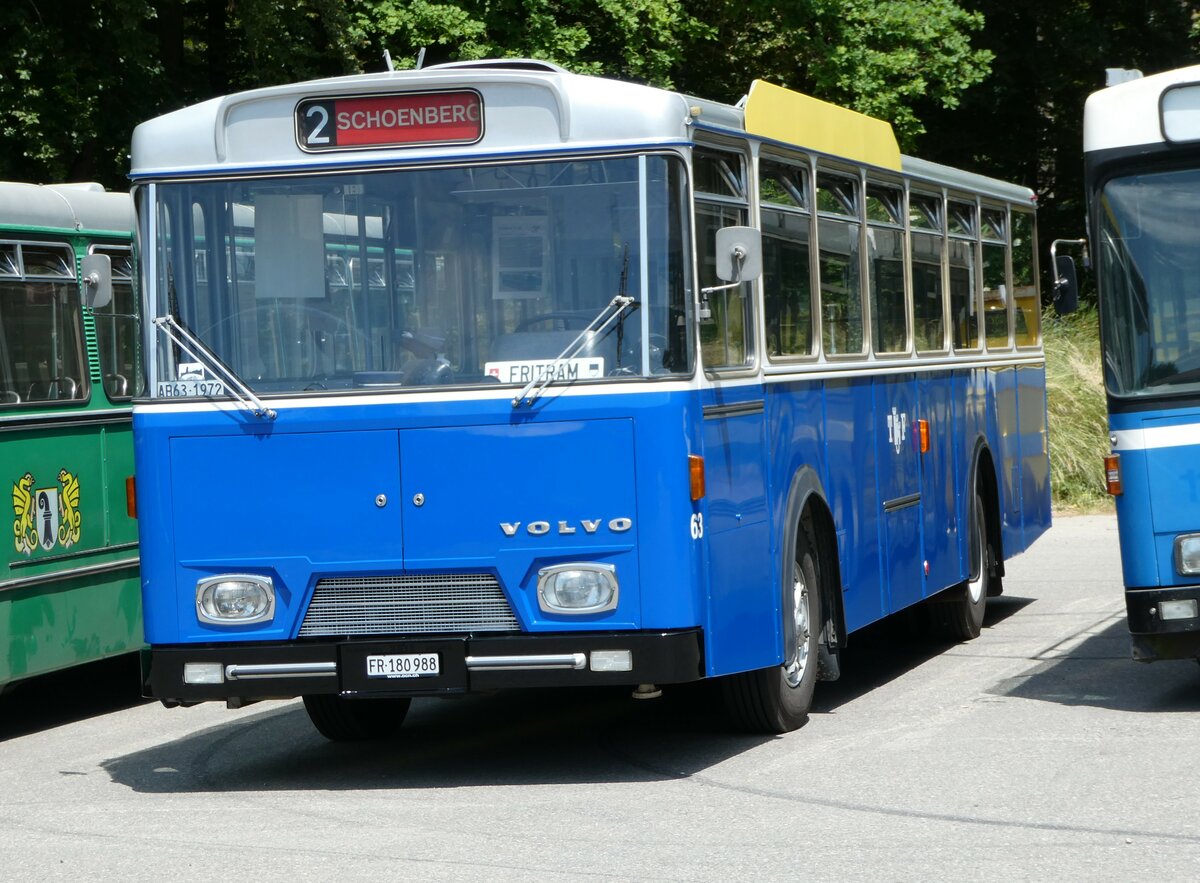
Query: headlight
{"type": "Point", "coordinates": [235, 599]}
{"type": "Point", "coordinates": [577, 588]}
{"type": "Point", "coordinates": [1187, 553]}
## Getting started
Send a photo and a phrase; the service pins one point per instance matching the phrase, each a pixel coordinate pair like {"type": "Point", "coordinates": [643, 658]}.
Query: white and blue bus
{"type": "Point", "coordinates": [1142, 160]}
{"type": "Point", "coordinates": [490, 375]}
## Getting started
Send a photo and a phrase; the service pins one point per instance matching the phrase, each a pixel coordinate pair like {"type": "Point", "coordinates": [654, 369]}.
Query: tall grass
{"type": "Point", "coordinates": [1075, 402]}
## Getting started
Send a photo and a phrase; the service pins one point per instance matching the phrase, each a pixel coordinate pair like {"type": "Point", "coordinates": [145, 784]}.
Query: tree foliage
{"type": "Point", "coordinates": [881, 57]}
{"type": "Point", "coordinates": [76, 77]}
{"type": "Point", "coordinates": [995, 86]}
{"type": "Point", "coordinates": [1024, 123]}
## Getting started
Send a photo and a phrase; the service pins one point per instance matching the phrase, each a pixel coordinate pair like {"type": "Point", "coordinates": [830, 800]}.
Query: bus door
{"type": "Point", "coordinates": [899, 488]}
{"type": "Point", "coordinates": [742, 588]}
{"type": "Point", "coordinates": [896, 429]}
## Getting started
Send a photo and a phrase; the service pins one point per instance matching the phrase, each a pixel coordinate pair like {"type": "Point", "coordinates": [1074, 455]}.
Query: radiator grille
{"type": "Point", "coordinates": [397, 605]}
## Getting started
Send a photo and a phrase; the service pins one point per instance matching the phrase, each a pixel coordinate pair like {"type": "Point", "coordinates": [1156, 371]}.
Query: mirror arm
{"type": "Point", "coordinates": [739, 256]}
{"type": "Point", "coordinates": [1059, 281]}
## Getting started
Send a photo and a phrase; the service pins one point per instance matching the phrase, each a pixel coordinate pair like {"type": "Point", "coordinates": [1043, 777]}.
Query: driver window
{"type": "Point", "coordinates": [727, 332]}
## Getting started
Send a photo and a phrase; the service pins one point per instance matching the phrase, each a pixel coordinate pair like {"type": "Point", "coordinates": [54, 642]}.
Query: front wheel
{"type": "Point", "coordinates": [355, 720]}
{"type": "Point", "coordinates": [777, 699]}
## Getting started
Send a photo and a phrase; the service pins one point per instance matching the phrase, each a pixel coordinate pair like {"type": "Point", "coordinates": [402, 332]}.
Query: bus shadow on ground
{"type": "Point", "coordinates": [75, 694]}
{"type": "Point", "coordinates": [889, 649]}
{"type": "Point", "coordinates": [519, 737]}
{"type": "Point", "coordinates": [1099, 672]}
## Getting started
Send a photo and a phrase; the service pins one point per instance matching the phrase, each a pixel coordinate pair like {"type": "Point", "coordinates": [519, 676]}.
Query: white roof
{"type": "Point", "coordinates": [534, 107]}
{"type": "Point", "coordinates": [1127, 115]}
{"type": "Point", "coordinates": [64, 207]}
{"type": "Point", "coordinates": [529, 107]}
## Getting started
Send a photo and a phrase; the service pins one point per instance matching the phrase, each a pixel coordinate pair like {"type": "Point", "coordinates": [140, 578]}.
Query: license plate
{"type": "Point", "coordinates": [174, 389]}
{"type": "Point", "coordinates": [404, 665]}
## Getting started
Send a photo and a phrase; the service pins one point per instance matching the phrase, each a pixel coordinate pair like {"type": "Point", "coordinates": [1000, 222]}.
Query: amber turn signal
{"type": "Point", "coordinates": [131, 497]}
{"type": "Point", "coordinates": [696, 473]}
{"type": "Point", "coordinates": [1112, 474]}
{"type": "Point", "coordinates": [923, 428]}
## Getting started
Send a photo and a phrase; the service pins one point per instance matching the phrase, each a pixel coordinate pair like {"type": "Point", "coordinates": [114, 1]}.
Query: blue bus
{"type": "Point", "coordinates": [490, 375]}
{"type": "Point", "coordinates": [1142, 162]}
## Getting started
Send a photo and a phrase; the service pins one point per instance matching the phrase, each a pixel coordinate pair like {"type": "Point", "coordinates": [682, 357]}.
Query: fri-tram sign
{"type": "Point", "coordinates": [400, 120]}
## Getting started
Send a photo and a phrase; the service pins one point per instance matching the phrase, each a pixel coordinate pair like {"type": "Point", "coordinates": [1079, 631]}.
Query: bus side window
{"type": "Point", "coordinates": [41, 355]}
{"type": "Point", "coordinates": [726, 337]}
{"type": "Point", "coordinates": [927, 243]}
{"type": "Point", "coordinates": [117, 329]}
{"type": "Point", "coordinates": [1026, 300]}
{"type": "Point", "coordinates": [997, 294]}
{"type": "Point", "coordinates": [962, 252]}
{"type": "Point", "coordinates": [839, 268]}
{"type": "Point", "coordinates": [885, 243]}
{"type": "Point", "coordinates": [787, 285]}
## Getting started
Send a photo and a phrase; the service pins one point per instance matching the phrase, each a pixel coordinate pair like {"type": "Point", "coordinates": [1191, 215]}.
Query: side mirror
{"type": "Point", "coordinates": [1066, 285]}
{"type": "Point", "coordinates": [97, 281]}
{"type": "Point", "coordinates": [739, 254]}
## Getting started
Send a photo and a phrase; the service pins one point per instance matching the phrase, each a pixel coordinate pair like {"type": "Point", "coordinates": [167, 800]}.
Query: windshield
{"type": "Point", "coordinates": [1149, 279]}
{"type": "Point", "coordinates": [426, 277]}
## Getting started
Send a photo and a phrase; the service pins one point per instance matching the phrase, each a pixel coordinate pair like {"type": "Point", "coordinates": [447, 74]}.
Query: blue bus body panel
{"type": "Point", "coordinates": [478, 484]}
{"type": "Point", "coordinates": [333, 490]}
{"type": "Point", "coordinates": [1034, 451]}
{"type": "Point", "coordinates": [741, 625]}
{"type": "Point", "coordinates": [850, 474]}
{"type": "Point", "coordinates": [1006, 438]}
{"type": "Point", "coordinates": [941, 470]}
{"type": "Point", "coordinates": [1160, 499]}
{"type": "Point", "coordinates": [296, 499]}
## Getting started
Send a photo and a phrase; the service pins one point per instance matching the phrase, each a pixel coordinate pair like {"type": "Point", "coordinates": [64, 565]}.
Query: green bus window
{"type": "Point", "coordinates": [118, 331]}
{"type": "Point", "coordinates": [41, 325]}
{"type": "Point", "coordinates": [41, 355]}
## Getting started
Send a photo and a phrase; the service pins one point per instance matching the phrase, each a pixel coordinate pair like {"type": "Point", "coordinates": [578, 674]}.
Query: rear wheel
{"type": "Point", "coordinates": [777, 699]}
{"type": "Point", "coordinates": [958, 612]}
{"type": "Point", "coordinates": [355, 720]}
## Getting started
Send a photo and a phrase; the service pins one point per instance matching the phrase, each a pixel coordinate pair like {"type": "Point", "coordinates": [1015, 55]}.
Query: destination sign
{"type": "Point", "coordinates": [405, 119]}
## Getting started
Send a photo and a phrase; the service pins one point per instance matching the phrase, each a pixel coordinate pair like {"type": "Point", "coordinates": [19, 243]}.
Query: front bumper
{"type": "Point", "coordinates": [282, 670]}
{"type": "Point", "coordinates": [1153, 637]}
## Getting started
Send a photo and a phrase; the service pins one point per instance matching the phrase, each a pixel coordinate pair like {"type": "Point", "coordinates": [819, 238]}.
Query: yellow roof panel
{"type": "Point", "coordinates": [783, 115]}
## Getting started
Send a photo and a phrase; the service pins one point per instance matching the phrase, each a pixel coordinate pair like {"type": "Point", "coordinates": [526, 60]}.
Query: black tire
{"type": "Point", "coordinates": [958, 612]}
{"type": "Point", "coordinates": [355, 720]}
{"type": "Point", "coordinates": [777, 699]}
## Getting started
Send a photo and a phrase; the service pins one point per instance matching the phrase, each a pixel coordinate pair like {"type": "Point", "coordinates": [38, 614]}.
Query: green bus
{"type": "Point", "coordinates": [70, 357]}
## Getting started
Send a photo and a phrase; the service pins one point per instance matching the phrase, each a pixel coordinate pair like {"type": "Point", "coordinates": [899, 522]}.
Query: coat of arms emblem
{"type": "Point", "coordinates": [46, 516]}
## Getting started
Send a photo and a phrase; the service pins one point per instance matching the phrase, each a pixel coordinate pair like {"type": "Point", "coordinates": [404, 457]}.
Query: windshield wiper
{"type": "Point", "coordinates": [190, 344]}
{"type": "Point", "coordinates": [614, 310]}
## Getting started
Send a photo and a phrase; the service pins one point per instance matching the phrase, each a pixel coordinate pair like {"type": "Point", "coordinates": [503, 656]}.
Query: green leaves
{"type": "Point", "coordinates": [885, 58]}
{"type": "Point", "coordinates": [77, 76]}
